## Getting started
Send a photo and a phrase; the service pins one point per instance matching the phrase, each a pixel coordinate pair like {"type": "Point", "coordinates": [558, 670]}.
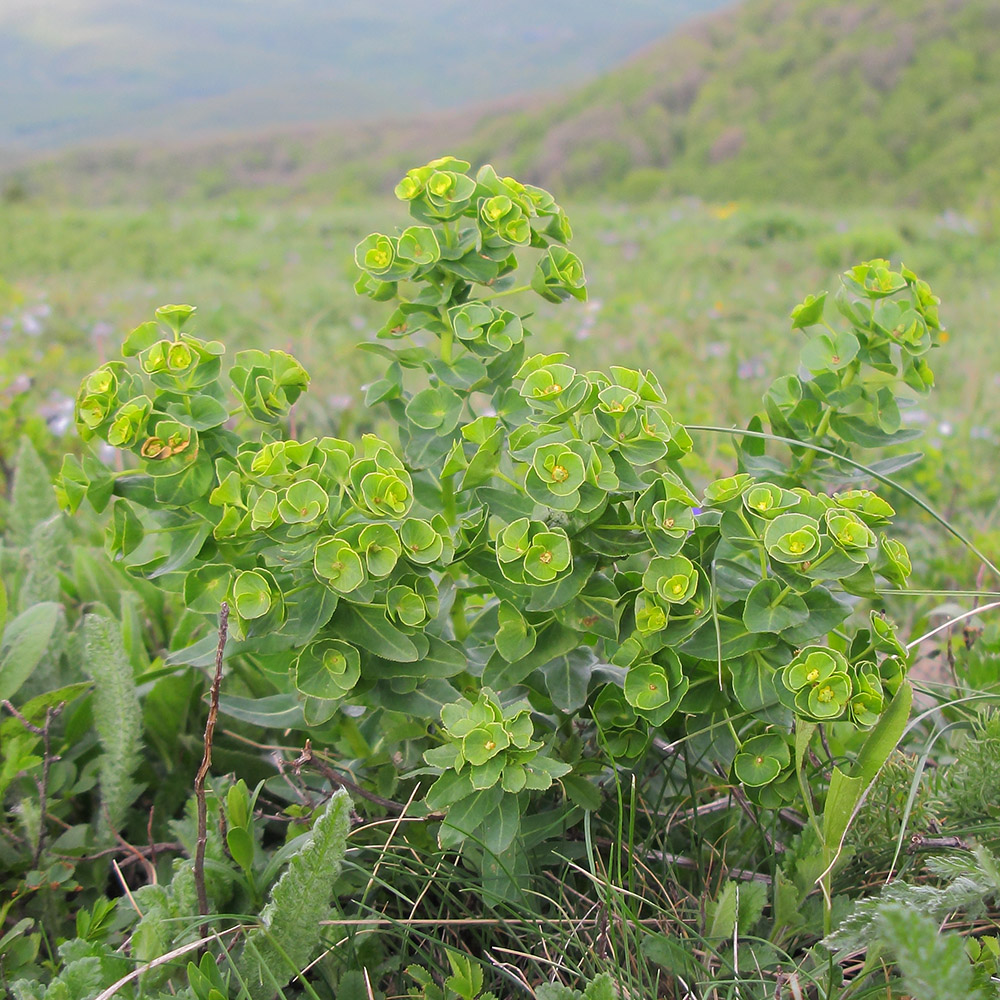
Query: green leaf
{"type": "Point", "coordinates": [241, 846]}
{"type": "Point", "coordinates": [117, 716]}
{"type": "Point", "coordinates": [327, 669]}
{"type": "Point", "coordinates": [582, 792]}
{"type": "Point", "coordinates": [467, 815]}
{"type": "Point", "coordinates": [141, 339]}
{"type": "Point", "coordinates": [825, 613]}
{"type": "Point", "coordinates": [553, 641]}
{"type": "Point", "coordinates": [466, 977]}
{"type": "Point", "coordinates": [809, 311]}
{"type": "Point", "coordinates": [755, 770]}
{"type": "Point", "coordinates": [567, 678]}
{"type": "Point", "coordinates": [830, 352]}
{"type": "Point", "coordinates": [935, 966]}
{"type": "Point", "coordinates": [3, 607]}
{"type": "Point", "coordinates": [770, 607]}
{"type": "Point", "coordinates": [733, 638]}
{"type": "Point", "coordinates": [174, 316]}
{"type": "Point", "coordinates": [502, 825]}
{"type": "Point", "coordinates": [25, 640]}
{"type": "Point", "coordinates": [32, 498]}
{"type": "Point", "coordinates": [721, 913]}
{"type": "Point", "coordinates": [755, 687]}
{"type": "Point", "coordinates": [672, 955]}
{"type": "Point", "coordinates": [846, 788]}
{"type": "Point", "coordinates": [275, 711]}
{"type": "Point", "coordinates": [601, 987]}
{"type": "Point", "coordinates": [857, 430]}
{"type": "Point", "coordinates": [368, 628]}
{"type": "Point", "coordinates": [515, 638]}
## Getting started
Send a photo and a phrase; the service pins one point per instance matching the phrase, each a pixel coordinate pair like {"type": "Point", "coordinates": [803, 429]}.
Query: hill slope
{"type": "Point", "coordinates": [785, 99]}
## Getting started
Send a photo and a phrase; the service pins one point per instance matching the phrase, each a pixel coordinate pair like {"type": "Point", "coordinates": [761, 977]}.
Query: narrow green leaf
{"type": "Point", "coordinates": [25, 640]}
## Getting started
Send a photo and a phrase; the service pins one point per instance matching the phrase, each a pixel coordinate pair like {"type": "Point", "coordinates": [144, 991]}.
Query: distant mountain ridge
{"type": "Point", "coordinates": [823, 101]}
{"type": "Point", "coordinates": [74, 71]}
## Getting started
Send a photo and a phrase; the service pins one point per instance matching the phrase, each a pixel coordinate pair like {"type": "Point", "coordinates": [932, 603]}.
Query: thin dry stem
{"type": "Point", "coordinates": [206, 763]}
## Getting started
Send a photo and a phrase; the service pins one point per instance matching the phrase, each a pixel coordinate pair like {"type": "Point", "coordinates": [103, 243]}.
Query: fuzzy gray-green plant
{"type": "Point", "coordinates": [968, 881]}
{"type": "Point", "coordinates": [934, 966]}
{"type": "Point", "coordinates": [289, 935]}
{"type": "Point", "coordinates": [117, 716]}
{"type": "Point", "coordinates": [968, 787]}
{"type": "Point", "coordinates": [32, 500]}
{"type": "Point", "coordinates": [43, 557]}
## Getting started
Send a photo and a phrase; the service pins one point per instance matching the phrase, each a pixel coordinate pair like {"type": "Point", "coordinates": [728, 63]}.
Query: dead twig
{"type": "Point", "coordinates": [339, 781]}
{"type": "Point", "coordinates": [206, 763]}
{"type": "Point", "coordinates": [43, 786]}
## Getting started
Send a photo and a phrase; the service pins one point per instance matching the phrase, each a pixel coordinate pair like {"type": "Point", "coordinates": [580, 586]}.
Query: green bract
{"type": "Point", "coordinates": [761, 760]}
{"type": "Point", "coordinates": [819, 678]}
{"type": "Point", "coordinates": [792, 538]}
{"type": "Point", "coordinates": [673, 579]}
{"type": "Point", "coordinates": [338, 565]}
{"type": "Point", "coordinates": [327, 669]}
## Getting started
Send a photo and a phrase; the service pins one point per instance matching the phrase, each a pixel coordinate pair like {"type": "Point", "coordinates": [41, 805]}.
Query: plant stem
{"type": "Point", "coordinates": [824, 425]}
{"type": "Point", "coordinates": [43, 786]}
{"type": "Point", "coordinates": [206, 763]}
{"type": "Point", "coordinates": [510, 482]}
{"type": "Point", "coordinates": [448, 498]}
{"type": "Point", "coordinates": [459, 622]}
{"type": "Point", "coordinates": [508, 291]}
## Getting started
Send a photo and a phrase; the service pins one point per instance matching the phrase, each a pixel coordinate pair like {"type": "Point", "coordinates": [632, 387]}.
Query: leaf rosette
{"type": "Point", "coordinates": [421, 542]}
{"type": "Point", "coordinates": [850, 534]}
{"type": "Point", "coordinates": [559, 276]}
{"type": "Point", "coordinates": [413, 601]}
{"type": "Point", "coordinates": [654, 689]}
{"type": "Point", "coordinates": [650, 614]}
{"type": "Point", "coordinates": [551, 387]}
{"type": "Point", "coordinates": [868, 506]}
{"type": "Point", "coordinates": [726, 492]}
{"type": "Point", "coordinates": [338, 566]}
{"type": "Point", "coordinates": [100, 394]}
{"type": "Point", "coordinates": [556, 474]}
{"type": "Point", "coordinates": [765, 500]}
{"type": "Point", "coordinates": [129, 423]}
{"type": "Point", "coordinates": [268, 384]}
{"type": "Point", "coordinates": [418, 245]}
{"type": "Point", "coordinates": [893, 560]}
{"type": "Point", "coordinates": [304, 502]}
{"type": "Point", "coordinates": [618, 724]}
{"type": "Point", "coordinates": [170, 447]}
{"type": "Point", "coordinates": [867, 700]}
